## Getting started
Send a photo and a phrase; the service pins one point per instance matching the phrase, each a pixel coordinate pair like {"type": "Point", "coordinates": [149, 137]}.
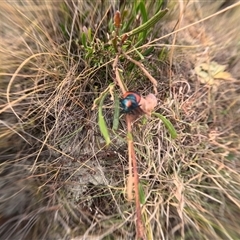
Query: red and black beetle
{"type": "Point", "coordinates": [130, 102]}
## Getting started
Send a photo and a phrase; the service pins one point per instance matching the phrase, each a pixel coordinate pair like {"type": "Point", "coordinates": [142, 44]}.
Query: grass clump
{"type": "Point", "coordinates": [58, 179]}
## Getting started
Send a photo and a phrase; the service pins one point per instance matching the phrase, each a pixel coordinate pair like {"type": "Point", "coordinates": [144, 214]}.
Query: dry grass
{"type": "Point", "coordinates": [58, 181]}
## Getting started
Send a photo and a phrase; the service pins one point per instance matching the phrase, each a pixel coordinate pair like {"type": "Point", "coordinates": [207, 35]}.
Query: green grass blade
{"type": "Point", "coordinates": [139, 54]}
{"type": "Point", "coordinates": [141, 194]}
{"type": "Point", "coordinates": [148, 51]}
{"type": "Point", "coordinates": [167, 123]}
{"type": "Point", "coordinates": [84, 40]}
{"type": "Point", "coordinates": [101, 121]}
{"type": "Point", "coordinates": [159, 5]}
{"type": "Point", "coordinates": [116, 113]}
{"type": "Point", "coordinates": [151, 22]}
{"type": "Point", "coordinates": [142, 36]}
{"type": "Point", "coordinates": [142, 9]}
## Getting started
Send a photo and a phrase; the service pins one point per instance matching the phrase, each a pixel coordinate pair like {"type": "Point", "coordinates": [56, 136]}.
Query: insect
{"type": "Point", "coordinates": [130, 102]}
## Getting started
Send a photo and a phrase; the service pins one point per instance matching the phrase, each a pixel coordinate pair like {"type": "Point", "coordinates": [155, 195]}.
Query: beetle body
{"type": "Point", "coordinates": [130, 102]}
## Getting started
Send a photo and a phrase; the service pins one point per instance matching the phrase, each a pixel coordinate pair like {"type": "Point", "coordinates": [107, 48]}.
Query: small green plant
{"type": "Point", "coordinates": [146, 106]}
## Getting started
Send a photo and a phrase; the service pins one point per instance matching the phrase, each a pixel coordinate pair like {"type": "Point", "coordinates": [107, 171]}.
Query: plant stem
{"type": "Point", "coordinates": [133, 161]}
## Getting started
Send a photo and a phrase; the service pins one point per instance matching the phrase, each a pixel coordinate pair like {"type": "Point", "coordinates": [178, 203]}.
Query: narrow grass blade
{"type": "Point", "coordinates": [101, 121]}
{"type": "Point", "coordinates": [84, 40]}
{"type": "Point", "coordinates": [159, 4]}
{"type": "Point", "coordinates": [148, 51]}
{"type": "Point", "coordinates": [151, 22]}
{"type": "Point", "coordinates": [139, 54]}
{"type": "Point", "coordinates": [167, 123]}
{"type": "Point", "coordinates": [141, 194]}
{"type": "Point", "coordinates": [143, 34]}
{"type": "Point", "coordinates": [116, 113]}
{"type": "Point", "coordinates": [142, 9]}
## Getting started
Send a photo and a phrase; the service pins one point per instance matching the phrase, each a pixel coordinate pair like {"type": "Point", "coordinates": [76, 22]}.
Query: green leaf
{"type": "Point", "coordinates": [84, 40]}
{"type": "Point", "coordinates": [116, 113]}
{"type": "Point", "coordinates": [89, 53]}
{"type": "Point", "coordinates": [150, 23]}
{"type": "Point", "coordinates": [142, 36]}
{"type": "Point", "coordinates": [141, 194]}
{"type": "Point", "coordinates": [148, 51]}
{"type": "Point", "coordinates": [101, 121]}
{"type": "Point", "coordinates": [142, 9]}
{"type": "Point", "coordinates": [139, 54]}
{"type": "Point", "coordinates": [167, 123]}
{"type": "Point", "coordinates": [163, 54]}
{"type": "Point", "coordinates": [62, 26]}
